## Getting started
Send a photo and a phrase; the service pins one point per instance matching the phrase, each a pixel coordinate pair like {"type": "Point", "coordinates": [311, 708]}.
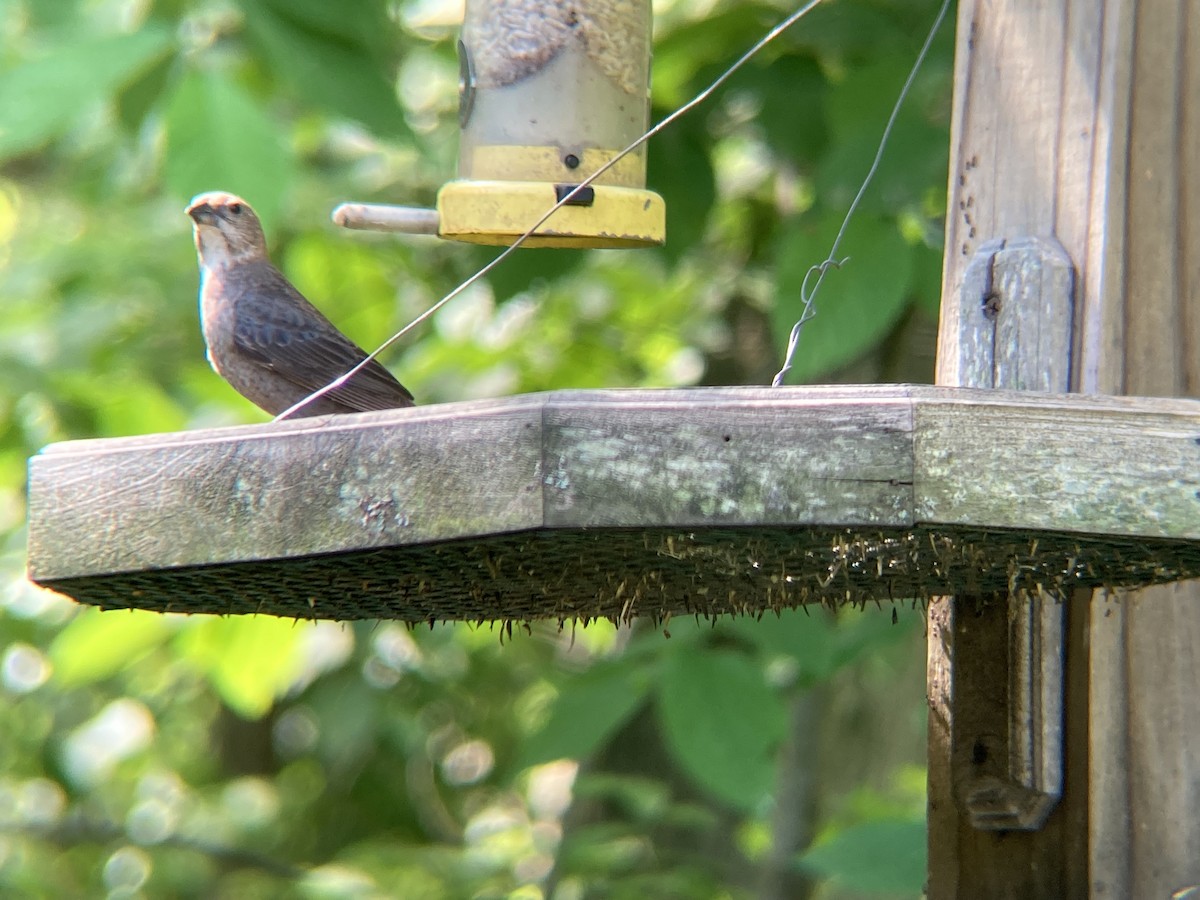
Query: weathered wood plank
{"type": "Point", "coordinates": [795, 456]}
{"type": "Point", "coordinates": [1145, 726]}
{"type": "Point", "coordinates": [1026, 140]}
{"type": "Point", "coordinates": [1079, 119]}
{"type": "Point", "coordinates": [1013, 865]}
{"type": "Point", "coordinates": [718, 458]}
{"type": "Point", "coordinates": [1070, 466]}
{"type": "Point", "coordinates": [996, 663]}
{"type": "Point", "coordinates": [296, 488]}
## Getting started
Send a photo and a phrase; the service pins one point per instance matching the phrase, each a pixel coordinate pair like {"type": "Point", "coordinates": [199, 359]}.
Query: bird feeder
{"type": "Point", "coordinates": [549, 94]}
{"type": "Point", "coordinates": [624, 504]}
{"type": "Point", "coordinates": [998, 486]}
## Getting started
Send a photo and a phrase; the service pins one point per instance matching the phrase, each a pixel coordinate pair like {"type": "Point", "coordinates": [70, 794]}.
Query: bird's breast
{"type": "Point", "coordinates": [217, 312]}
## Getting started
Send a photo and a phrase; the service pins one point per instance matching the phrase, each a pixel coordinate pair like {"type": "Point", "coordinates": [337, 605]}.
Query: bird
{"type": "Point", "coordinates": [263, 337]}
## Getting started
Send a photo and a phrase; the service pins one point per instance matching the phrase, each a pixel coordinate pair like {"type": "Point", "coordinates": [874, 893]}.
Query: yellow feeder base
{"type": "Point", "coordinates": [498, 212]}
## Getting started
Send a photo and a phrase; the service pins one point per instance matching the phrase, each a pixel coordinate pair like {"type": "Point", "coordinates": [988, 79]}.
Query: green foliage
{"type": "Point", "coordinates": [817, 645]}
{"type": "Point", "coordinates": [42, 98]}
{"type": "Point", "coordinates": [680, 170]}
{"type": "Point", "coordinates": [250, 757]}
{"type": "Point", "coordinates": [217, 135]}
{"type": "Point", "coordinates": [884, 856]}
{"type": "Point", "coordinates": [318, 49]}
{"type": "Point", "coordinates": [858, 304]}
{"type": "Point", "coordinates": [586, 712]}
{"type": "Point", "coordinates": [722, 723]}
{"type": "Point", "coordinates": [93, 646]}
{"type": "Point", "coordinates": [250, 664]}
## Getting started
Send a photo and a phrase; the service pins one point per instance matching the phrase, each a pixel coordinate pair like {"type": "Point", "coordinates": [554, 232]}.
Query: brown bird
{"type": "Point", "coordinates": [263, 337]}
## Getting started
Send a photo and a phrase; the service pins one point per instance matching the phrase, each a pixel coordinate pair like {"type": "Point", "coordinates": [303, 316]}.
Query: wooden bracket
{"type": "Point", "coordinates": [1023, 797]}
{"type": "Point", "coordinates": [1015, 323]}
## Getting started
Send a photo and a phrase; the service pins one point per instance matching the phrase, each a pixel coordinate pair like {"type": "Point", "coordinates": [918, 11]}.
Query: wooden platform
{"type": "Point", "coordinates": [586, 503]}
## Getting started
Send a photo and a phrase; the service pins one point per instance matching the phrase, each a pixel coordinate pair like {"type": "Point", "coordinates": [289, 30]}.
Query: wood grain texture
{"type": "Point", "coordinates": [1145, 339]}
{"type": "Point", "coordinates": [1079, 119]}
{"type": "Point", "coordinates": [738, 457]}
{"type": "Point", "coordinates": [1068, 466]}
{"type": "Point", "coordinates": [996, 660]}
{"type": "Point", "coordinates": [586, 459]}
{"type": "Point", "coordinates": [296, 488]}
{"type": "Point", "coordinates": [1022, 145]}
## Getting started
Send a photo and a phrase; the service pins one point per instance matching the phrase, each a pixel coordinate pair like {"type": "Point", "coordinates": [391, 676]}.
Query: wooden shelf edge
{"type": "Point", "coordinates": [876, 456]}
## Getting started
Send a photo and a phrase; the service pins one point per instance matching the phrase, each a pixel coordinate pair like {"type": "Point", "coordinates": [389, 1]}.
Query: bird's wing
{"type": "Point", "coordinates": [281, 331]}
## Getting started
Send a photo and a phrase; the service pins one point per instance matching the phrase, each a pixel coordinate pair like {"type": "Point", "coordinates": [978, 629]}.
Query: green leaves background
{"type": "Point", "coordinates": [368, 760]}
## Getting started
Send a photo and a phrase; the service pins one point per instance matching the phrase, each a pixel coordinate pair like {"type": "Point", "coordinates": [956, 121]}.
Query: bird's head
{"type": "Point", "coordinates": [226, 229]}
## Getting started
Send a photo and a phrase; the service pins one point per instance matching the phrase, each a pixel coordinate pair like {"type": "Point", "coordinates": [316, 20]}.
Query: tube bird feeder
{"type": "Point", "coordinates": [549, 93]}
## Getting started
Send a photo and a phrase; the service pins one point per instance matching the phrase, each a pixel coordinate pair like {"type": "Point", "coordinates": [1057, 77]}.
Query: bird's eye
{"type": "Point", "coordinates": [235, 208]}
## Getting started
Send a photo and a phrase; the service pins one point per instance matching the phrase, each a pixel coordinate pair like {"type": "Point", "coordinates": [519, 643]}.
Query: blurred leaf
{"type": "Point", "coordinates": [807, 637]}
{"type": "Point", "coordinates": [854, 33]}
{"type": "Point", "coordinates": [350, 728]}
{"type": "Point", "coordinates": [526, 269]}
{"type": "Point", "coordinates": [219, 139]}
{"type": "Point", "coordinates": [96, 644]}
{"type": "Point", "coordinates": [927, 279]}
{"type": "Point", "coordinates": [916, 157]}
{"type": "Point", "coordinates": [858, 304]}
{"type": "Point", "coordinates": [792, 92]}
{"type": "Point", "coordinates": [722, 723]}
{"type": "Point", "coordinates": [121, 403]}
{"type": "Point", "coordinates": [863, 98]}
{"type": "Point", "coordinates": [363, 24]}
{"type": "Point", "coordinates": [679, 169]}
{"type": "Point", "coordinates": [589, 708]}
{"type": "Point", "coordinates": [861, 630]}
{"type": "Point", "coordinates": [249, 660]}
{"type": "Point", "coordinates": [714, 40]}
{"type": "Point", "coordinates": [139, 96]}
{"type": "Point", "coordinates": [917, 152]}
{"type": "Point", "coordinates": [819, 641]}
{"type": "Point", "coordinates": [138, 407]}
{"type": "Point", "coordinates": [42, 98]}
{"type": "Point", "coordinates": [882, 857]}
{"type": "Point", "coordinates": [904, 798]}
{"type": "Point", "coordinates": [323, 56]}
{"type": "Point", "coordinates": [58, 15]}
{"type": "Point", "coordinates": [642, 798]}
{"type": "Point", "coordinates": [353, 284]}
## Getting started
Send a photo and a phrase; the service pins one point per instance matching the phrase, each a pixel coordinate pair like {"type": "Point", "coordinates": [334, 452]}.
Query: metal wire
{"type": "Point", "coordinates": [807, 296]}
{"type": "Point", "coordinates": [687, 107]}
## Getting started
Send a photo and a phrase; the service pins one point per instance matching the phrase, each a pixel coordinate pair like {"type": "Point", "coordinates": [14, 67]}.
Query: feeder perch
{"type": "Point", "coordinates": [615, 504]}
{"type": "Point", "coordinates": [548, 94]}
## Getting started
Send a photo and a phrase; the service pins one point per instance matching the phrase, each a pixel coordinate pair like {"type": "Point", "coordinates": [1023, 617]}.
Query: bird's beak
{"type": "Point", "coordinates": [202, 213]}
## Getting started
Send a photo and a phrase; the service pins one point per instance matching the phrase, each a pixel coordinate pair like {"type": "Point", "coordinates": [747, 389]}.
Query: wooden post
{"type": "Point", "coordinates": [1005, 708]}
{"type": "Point", "coordinates": [1143, 337]}
{"type": "Point", "coordinates": [1080, 120]}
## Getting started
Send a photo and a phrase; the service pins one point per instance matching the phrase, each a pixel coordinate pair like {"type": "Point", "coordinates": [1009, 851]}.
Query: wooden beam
{"type": "Point", "coordinates": [1077, 119]}
{"type": "Point", "coordinates": [877, 455]}
{"type": "Point", "coordinates": [413, 505]}
{"type": "Point", "coordinates": [1020, 152]}
{"type": "Point", "coordinates": [1144, 736]}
